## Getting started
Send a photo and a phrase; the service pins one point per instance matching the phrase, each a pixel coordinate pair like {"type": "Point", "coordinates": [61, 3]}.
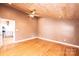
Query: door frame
{"type": "Point", "coordinates": [2, 20]}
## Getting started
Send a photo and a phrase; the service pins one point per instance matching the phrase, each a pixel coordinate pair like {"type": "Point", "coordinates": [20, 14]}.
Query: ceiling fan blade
{"type": "Point", "coordinates": [37, 16]}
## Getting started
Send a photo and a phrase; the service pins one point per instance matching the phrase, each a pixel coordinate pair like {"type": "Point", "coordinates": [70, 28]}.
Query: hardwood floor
{"type": "Point", "coordinates": [38, 47]}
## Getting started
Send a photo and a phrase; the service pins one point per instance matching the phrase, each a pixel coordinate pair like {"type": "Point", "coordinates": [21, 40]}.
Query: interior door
{"type": "Point", "coordinates": [7, 31]}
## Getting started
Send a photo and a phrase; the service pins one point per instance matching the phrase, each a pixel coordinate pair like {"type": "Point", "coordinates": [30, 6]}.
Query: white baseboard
{"type": "Point", "coordinates": [19, 41]}
{"type": "Point", "coordinates": [67, 44]}
{"type": "Point", "coordinates": [25, 40]}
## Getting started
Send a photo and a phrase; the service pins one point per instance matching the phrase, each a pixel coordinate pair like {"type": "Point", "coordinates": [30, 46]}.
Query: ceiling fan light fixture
{"type": "Point", "coordinates": [31, 15]}
{"type": "Point", "coordinates": [33, 12]}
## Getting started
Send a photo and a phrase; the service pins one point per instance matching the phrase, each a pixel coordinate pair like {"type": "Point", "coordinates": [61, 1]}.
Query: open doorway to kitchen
{"type": "Point", "coordinates": [7, 31]}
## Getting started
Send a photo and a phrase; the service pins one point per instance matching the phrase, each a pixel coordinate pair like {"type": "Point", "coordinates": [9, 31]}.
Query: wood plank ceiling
{"type": "Point", "coordinates": [54, 11]}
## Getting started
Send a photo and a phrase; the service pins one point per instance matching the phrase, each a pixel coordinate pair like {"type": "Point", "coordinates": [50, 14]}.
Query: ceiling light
{"type": "Point", "coordinates": [33, 12]}
{"type": "Point", "coordinates": [31, 15]}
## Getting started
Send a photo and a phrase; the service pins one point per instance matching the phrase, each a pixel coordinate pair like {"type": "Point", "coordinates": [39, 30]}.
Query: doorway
{"type": "Point", "coordinates": [7, 31]}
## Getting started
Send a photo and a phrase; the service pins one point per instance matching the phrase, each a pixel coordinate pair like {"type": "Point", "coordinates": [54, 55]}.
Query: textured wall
{"type": "Point", "coordinates": [25, 27]}
{"type": "Point", "coordinates": [62, 31]}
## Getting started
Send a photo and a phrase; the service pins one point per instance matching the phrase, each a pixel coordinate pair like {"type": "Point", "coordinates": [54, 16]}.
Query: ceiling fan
{"type": "Point", "coordinates": [33, 14]}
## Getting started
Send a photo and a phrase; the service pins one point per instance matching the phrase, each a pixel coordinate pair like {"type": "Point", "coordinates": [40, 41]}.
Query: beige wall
{"type": "Point", "coordinates": [50, 28]}
{"type": "Point", "coordinates": [25, 27]}
{"type": "Point", "coordinates": [62, 31]}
